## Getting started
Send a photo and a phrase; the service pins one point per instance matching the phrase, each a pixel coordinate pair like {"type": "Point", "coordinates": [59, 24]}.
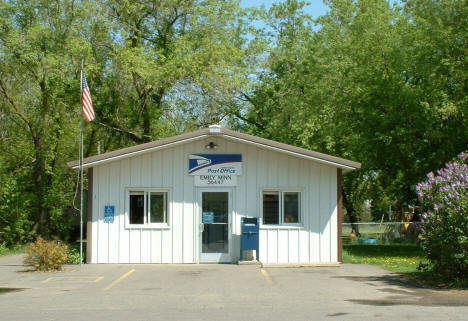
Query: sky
{"type": "Point", "coordinates": [315, 9]}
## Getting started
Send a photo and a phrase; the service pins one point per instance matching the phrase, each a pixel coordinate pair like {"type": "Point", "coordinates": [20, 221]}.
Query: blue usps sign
{"type": "Point", "coordinates": [208, 217]}
{"type": "Point", "coordinates": [215, 164]}
{"type": "Point", "coordinates": [109, 211]}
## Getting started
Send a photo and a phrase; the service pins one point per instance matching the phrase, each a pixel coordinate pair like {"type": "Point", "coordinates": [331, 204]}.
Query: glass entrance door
{"type": "Point", "coordinates": [215, 209]}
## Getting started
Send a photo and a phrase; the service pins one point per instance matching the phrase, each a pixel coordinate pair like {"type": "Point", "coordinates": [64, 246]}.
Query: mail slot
{"type": "Point", "coordinates": [250, 235]}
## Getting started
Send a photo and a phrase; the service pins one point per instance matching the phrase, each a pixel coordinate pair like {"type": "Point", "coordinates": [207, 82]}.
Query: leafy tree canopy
{"type": "Point", "coordinates": [379, 83]}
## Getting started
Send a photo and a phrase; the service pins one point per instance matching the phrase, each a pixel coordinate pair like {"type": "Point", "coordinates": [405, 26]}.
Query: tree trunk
{"type": "Point", "coordinates": [40, 226]}
{"type": "Point", "coordinates": [351, 213]}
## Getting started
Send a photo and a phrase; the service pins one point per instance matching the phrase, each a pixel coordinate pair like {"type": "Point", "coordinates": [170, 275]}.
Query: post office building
{"type": "Point", "coordinates": [182, 200]}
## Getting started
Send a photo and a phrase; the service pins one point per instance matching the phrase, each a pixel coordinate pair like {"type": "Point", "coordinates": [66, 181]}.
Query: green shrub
{"type": "Point", "coordinates": [73, 256]}
{"type": "Point", "coordinates": [3, 249]}
{"type": "Point", "coordinates": [46, 255]}
{"type": "Point", "coordinates": [444, 223]}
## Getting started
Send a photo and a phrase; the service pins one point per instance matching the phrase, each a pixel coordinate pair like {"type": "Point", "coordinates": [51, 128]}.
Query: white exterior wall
{"type": "Point", "coordinates": [314, 242]}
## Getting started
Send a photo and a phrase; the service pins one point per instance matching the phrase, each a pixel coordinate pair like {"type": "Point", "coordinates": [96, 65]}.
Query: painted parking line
{"type": "Point", "coordinates": [46, 280]}
{"type": "Point", "coordinates": [267, 277]}
{"type": "Point", "coordinates": [124, 276]}
{"type": "Point", "coordinates": [74, 279]}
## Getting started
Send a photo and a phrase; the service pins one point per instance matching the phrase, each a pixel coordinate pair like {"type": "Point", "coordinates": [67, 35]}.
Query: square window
{"type": "Point", "coordinates": [148, 208]}
{"type": "Point", "coordinates": [281, 207]}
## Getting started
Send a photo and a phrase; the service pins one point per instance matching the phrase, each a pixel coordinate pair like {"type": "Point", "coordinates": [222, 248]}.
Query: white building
{"type": "Point", "coordinates": [181, 199]}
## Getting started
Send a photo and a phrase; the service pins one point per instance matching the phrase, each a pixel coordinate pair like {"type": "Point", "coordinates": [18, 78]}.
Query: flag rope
{"type": "Point", "coordinates": [122, 130]}
{"type": "Point", "coordinates": [81, 166]}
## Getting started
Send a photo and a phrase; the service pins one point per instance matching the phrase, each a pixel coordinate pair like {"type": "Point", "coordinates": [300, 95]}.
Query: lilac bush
{"type": "Point", "coordinates": [444, 221]}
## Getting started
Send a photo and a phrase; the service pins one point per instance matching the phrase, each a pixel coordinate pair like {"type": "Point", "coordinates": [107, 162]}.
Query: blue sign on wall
{"type": "Point", "coordinates": [109, 213]}
{"type": "Point", "coordinates": [215, 164]}
{"type": "Point", "coordinates": [208, 217]}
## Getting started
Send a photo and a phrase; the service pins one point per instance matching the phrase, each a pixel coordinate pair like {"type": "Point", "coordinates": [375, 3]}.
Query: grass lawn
{"type": "Point", "coordinates": [401, 258]}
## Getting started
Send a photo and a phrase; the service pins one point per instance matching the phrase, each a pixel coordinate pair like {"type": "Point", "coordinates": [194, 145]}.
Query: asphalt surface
{"type": "Point", "coordinates": [219, 292]}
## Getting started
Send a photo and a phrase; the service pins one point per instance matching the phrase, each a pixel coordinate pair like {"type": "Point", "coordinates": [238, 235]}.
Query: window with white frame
{"type": "Point", "coordinates": [147, 207]}
{"type": "Point", "coordinates": [281, 207]}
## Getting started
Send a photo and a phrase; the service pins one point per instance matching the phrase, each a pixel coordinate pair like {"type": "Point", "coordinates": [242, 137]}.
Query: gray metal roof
{"type": "Point", "coordinates": [220, 132]}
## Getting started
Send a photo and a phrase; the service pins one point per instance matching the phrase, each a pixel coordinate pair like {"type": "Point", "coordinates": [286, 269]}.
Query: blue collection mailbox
{"type": "Point", "coordinates": [250, 235]}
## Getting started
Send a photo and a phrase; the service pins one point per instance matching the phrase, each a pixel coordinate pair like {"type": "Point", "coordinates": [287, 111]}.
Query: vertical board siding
{"type": "Point", "coordinates": [114, 199]}
{"type": "Point", "coordinates": [166, 234]}
{"type": "Point", "coordinates": [232, 148]}
{"type": "Point", "coordinates": [188, 214]}
{"type": "Point", "coordinates": [283, 246]}
{"type": "Point", "coordinates": [95, 223]}
{"type": "Point", "coordinates": [145, 235]}
{"type": "Point", "coordinates": [315, 241]}
{"type": "Point", "coordinates": [314, 217]}
{"type": "Point", "coordinates": [304, 238]}
{"type": "Point", "coordinates": [177, 225]}
{"type": "Point", "coordinates": [250, 190]}
{"type": "Point", "coordinates": [89, 216]}
{"type": "Point", "coordinates": [339, 201]}
{"type": "Point", "coordinates": [156, 181]}
{"type": "Point", "coordinates": [272, 246]}
{"type": "Point", "coordinates": [124, 238]}
{"type": "Point", "coordinates": [103, 228]}
{"type": "Point", "coordinates": [333, 215]}
{"type": "Point", "coordinates": [293, 246]}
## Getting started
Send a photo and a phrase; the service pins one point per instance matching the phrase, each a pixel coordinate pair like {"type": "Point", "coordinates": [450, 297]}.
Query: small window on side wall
{"type": "Point", "coordinates": [281, 207]}
{"type": "Point", "coordinates": [147, 207]}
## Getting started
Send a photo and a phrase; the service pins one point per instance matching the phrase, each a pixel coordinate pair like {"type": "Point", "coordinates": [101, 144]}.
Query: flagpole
{"type": "Point", "coordinates": [81, 168]}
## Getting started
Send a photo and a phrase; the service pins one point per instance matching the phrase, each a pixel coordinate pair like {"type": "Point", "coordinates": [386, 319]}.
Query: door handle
{"type": "Point", "coordinates": [202, 227]}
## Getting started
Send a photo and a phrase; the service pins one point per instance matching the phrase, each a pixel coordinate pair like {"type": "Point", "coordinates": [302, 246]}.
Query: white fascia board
{"type": "Point", "coordinates": [140, 152]}
{"type": "Point", "coordinates": [344, 167]}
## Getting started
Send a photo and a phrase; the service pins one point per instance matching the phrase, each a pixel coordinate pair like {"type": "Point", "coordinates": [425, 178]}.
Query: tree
{"type": "Point", "coordinates": [172, 66]}
{"type": "Point", "coordinates": [40, 45]}
{"type": "Point", "coordinates": [365, 86]}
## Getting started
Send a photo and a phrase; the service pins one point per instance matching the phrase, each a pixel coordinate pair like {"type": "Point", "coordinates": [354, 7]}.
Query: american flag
{"type": "Point", "coordinates": [87, 103]}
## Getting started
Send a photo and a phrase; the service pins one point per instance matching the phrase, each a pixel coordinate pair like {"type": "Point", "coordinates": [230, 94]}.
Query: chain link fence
{"type": "Point", "coordinates": [379, 233]}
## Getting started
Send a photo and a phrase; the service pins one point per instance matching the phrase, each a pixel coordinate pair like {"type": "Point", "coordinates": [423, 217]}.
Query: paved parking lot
{"type": "Point", "coordinates": [219, 292]}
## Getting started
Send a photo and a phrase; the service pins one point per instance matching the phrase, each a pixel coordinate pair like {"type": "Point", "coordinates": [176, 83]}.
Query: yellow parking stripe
{"type": "Point", "coordinates": [267, 276]}
{"type": "Point", "coordinates": [110, 286]}
{"type": "Point", "coordinates": [98, 279]}
{"type": "Point", "coordinates": [46, 280]}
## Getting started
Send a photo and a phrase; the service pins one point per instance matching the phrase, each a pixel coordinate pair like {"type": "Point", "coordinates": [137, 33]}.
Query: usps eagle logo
{"type": "Point", "coordinates": [197, 162]}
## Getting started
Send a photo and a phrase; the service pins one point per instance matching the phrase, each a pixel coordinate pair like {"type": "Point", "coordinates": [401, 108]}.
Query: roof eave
{"type": "Point", "coordinates": [138, 149]}
{"type": "Point", "coordinates": [345, 164]}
